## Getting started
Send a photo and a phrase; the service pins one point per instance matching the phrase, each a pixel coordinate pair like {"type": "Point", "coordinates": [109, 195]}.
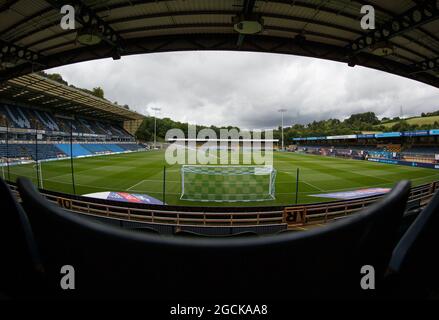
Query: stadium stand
{"type": "Point", "coordinates": [77, 150]}
{"type": "Point", "coordinates": [390, 147]}
{"type": "Point", "coordinates": [46, 120]}
{"type": "Point", "coordinates": [316, 263]}
{"type": "Point", "coordinates": [59, 150]}
{"type": "Point", "coordinates": [27, 118]}
{"type": "Point", "coordinates": [409, 147]}
{"type": "Point", "coordinates": [130, 147]}
{"type": "Point", "coordinates": [42, 151]}
{"type": "Point", "coordinates": [115, 148]}
{"type": "Point", "coordinates": [91, 137]}
{"type": "Point", "coordinates": [15, 116]}
{"type": "Point", "coordinates": [13, 151]}
{"type": "Point", "coordinates": [422, 150]}
{"type": "Point", "coordinates": [103, 148]}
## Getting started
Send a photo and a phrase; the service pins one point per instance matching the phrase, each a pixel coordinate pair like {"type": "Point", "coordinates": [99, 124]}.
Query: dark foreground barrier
{"type": "Point", "coordinates": [113, 262]}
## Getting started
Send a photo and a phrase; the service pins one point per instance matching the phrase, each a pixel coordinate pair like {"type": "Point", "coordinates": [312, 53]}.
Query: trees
{"type": "Point", "coordinates": [369, 118]}
{"type": "Point", "coordinates": [98, 92]}
{"type": "Point", "coordinates": [53, 76]}
{"type": "Point", "coordinates": [401, 125]}
{"type": "Point", "coordinates": [145, 131]}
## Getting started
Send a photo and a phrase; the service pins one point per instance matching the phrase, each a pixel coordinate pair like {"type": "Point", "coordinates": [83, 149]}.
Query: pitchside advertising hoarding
{"type": "Point", "coordinates": [354, 194]}
{"type": "Point", "coordinates": [419, 133]}
{"type": "Point", "coordinates": [388, 135]}
{"type": "Point", "coordinates": [366, 136]}
{"type": "Point", "coordinates": [315, 138]}
{"type": "Point", "coordinates": [124, 197]}
{"type": "Point", "coordinates": [350, 136]}
{"type": "Point", "coordinates": [406, 163]}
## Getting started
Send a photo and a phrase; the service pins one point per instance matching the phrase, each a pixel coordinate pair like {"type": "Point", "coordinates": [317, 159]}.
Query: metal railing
{"type": "Point", "coordinates": [292, 216]}
{"type": "Point", "coordinates": [321, 213]}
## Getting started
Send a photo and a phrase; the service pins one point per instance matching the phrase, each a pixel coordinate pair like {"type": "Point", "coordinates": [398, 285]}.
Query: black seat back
{"type": "Point", "coordinates": [110, 260]}
{"type": "Point", "coordinates": [415, 259]}
{"type": "Point", "coordinates": [20, 259]}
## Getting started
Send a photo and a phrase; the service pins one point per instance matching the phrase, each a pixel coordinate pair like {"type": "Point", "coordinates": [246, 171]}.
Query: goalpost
{"type": "Point", "coordinates": [39, 175]}
{"type": "Point", "coordinates": [40, 169]}
{"type": "Point", "coordinates": [210, 183]}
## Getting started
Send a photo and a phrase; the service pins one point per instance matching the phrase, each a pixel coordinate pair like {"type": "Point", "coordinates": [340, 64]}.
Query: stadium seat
{"type": "Point", "coordinates": [21, 265]}
{"type": "Point", "coordinates": [413, 268]}
{"type": "Point", "coordinates": [110, 261]}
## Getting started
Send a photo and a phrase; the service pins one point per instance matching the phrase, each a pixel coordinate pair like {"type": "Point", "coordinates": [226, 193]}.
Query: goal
{"type": "Point", "coordinates": [208, 183]}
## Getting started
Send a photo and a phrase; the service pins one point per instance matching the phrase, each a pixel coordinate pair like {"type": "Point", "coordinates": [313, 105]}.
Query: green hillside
{"type": "Point", "coordinates": [415, 121]}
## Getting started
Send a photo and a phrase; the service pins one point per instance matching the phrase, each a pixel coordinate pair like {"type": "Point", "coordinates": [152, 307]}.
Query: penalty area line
{"type": "Point", "coordinates": [313, 186]}
{"type": "Point", "coordinates": [135, 185]}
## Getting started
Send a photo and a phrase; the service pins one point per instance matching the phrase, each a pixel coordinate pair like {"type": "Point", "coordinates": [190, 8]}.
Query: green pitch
{"type": "Point", "coordinates": [142, 172]}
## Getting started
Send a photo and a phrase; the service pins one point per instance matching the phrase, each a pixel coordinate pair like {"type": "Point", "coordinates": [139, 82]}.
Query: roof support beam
{"type": "Point", "coordinates": [87, 17]}
{"type": "Point", "coordinates": [247, 10]}
{"type": "Point", "coordinates": [12, 55]}
{"type": "Point", "coordinates": [188, 13]}
{"type": "Point", "coordinates": [389, 13]}
{"type": "Point", "coordinates": [426, 65]}
{"type": "Point", "coordinates": [9, 3]}
{"type": "Point", "coordinates": [228, 42]}
{"type": "Point", "coordinates": [418, 15]}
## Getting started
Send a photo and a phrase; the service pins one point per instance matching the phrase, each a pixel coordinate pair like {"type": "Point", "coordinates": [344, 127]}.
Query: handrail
{"type": "Point", "coordinates": [293, 216]}
{"type": "Point", "coordinates": [303, 215]}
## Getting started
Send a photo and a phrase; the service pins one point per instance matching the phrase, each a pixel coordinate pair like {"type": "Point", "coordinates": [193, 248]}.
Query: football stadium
{"type": "Point", "coordinates": [93, 207]}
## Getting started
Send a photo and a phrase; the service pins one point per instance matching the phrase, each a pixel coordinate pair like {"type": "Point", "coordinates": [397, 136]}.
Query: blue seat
{"type": "Point", "coordinates": [77, 149]}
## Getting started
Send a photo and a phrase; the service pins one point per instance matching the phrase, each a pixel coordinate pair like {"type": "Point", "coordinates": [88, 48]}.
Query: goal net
{"type": "Point", "coordinates": [227, 183]}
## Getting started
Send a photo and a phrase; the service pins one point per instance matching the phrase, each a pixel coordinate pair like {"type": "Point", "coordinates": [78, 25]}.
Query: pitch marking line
{"type": "Point", "coordinates": [135, 185]}
{"type": "Point", "coordinates": [311, 185]}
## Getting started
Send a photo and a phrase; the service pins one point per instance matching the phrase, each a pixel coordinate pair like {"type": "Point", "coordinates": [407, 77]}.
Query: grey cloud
{"type": "Point", "coordinates": [247, 89]}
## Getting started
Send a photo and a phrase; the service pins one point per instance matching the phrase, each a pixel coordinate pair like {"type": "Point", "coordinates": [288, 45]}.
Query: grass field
{"type": "Point", "coordinates": [142, 172]}
{"type": "Point", "coordinates": [418, 120]}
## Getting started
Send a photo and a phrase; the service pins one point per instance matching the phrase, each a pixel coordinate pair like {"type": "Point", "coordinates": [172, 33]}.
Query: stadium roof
{"type": "Point", "coordinates": [405, 42]}
{"type": "Point", "coordinates": [38, 90]}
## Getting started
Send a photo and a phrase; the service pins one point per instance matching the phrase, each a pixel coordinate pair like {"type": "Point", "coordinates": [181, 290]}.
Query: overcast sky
{"type": "Point", "coordinates": [247, 89]}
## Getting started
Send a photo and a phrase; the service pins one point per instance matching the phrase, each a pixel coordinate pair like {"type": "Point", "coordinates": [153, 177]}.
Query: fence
{"type": "Point", "coordinates": [322, 213]}
{"type": "Point", "coordinates": [240, 217]}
